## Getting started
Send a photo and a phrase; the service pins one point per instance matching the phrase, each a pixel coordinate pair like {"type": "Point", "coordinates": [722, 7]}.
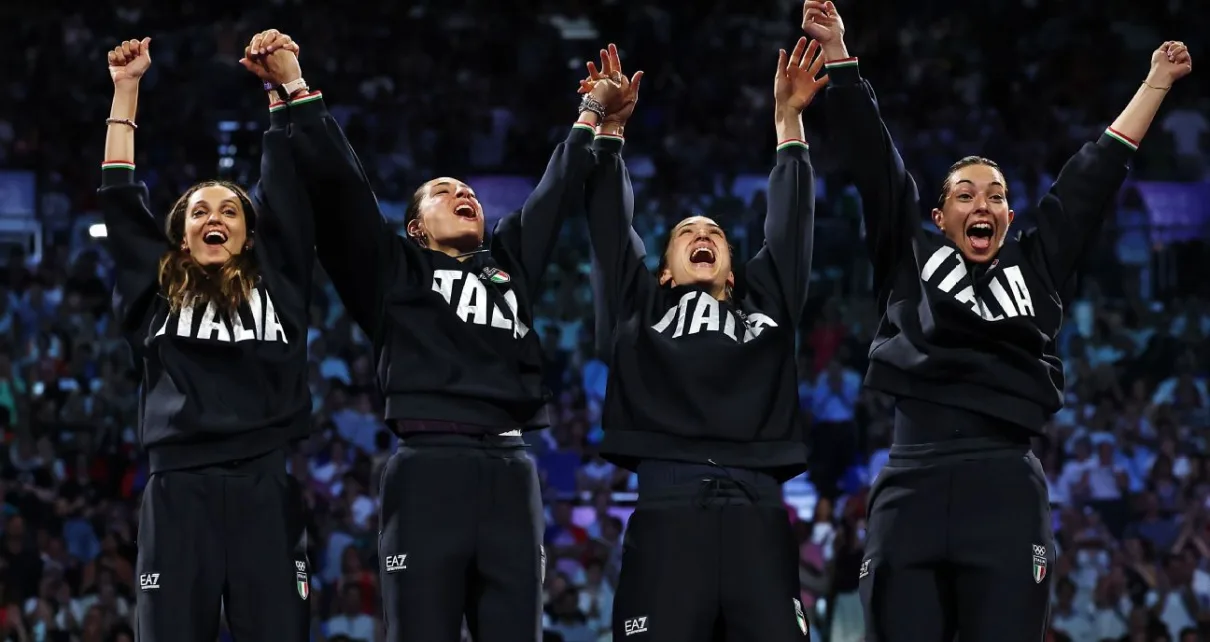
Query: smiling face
{"type": "Point", "coordinates": [698, 254]}
{"type": "Point", "coordinates": [973, 209]}
{"type": "Point", "coordinates": [215, 225]}
{"type": "Point", "coordinates": [446, 216]}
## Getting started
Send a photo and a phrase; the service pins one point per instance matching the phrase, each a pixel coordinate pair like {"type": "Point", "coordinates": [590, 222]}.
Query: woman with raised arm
{"type": "Point", "coordinates": [702, 398]}
{"type": "Point", "coordinates": [213, 303]}
{"type": "Point", "coordinates": [449, 313]}
{"type": "Point", "coordinates": [960, 538]}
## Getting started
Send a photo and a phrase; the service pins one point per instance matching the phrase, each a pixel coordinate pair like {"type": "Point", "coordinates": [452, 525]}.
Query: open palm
{"type": "Point", "coordinates": [796, 82]}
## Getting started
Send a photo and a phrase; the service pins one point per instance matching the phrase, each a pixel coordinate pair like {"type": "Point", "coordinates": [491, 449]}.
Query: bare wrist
{"type": "Point", "coordinates": [126, 87]}
{"type": "Point", "coordinates": [613, 127]}
{"type": "Point", "coordinates": [588, 118]}
{"type": "Point", "coordinates": [783, 115]}
{"type": "Point", "coordinates": [1158, 80]}
{"type": "Point", "coordinates": [835, 51]}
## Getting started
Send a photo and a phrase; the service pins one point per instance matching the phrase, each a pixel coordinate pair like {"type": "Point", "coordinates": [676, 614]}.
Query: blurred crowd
{"type": "Point", "coordinates": [475, 88]}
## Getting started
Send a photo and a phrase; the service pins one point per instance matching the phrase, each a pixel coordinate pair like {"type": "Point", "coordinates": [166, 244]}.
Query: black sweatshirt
{"type": "Point", "coordinates": [217, 389]}
{"type": "Point", "coordinates": [977, 337]}
{"type": "Point", "coordinates": [693, 379]}
{"type": "Point", "coordinates": [454, 339]}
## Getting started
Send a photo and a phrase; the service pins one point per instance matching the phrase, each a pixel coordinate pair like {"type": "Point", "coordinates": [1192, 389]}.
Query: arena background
{"type": "Point", "coordinates": [484, 90]}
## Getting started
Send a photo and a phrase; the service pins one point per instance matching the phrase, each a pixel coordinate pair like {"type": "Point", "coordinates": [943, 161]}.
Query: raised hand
{"type": "Point", "coordinates": [822, 22]}
{"type": "Point", "coordinates": [611, 87]}
{"type": "Point", "coordinates": [273, 57]}
{"type": "Point", "coordinates": [1170, 63]}
{"type": "Point", "coordinates": [129, 61]}
{"type": "Point", "coordinates": [795, 84]}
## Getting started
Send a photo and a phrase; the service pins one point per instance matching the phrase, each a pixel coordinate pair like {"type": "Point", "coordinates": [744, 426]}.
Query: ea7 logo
{"type": "Point", "coordinates": [636, 625]}
{"type": "Point", "coordinates": [149, 581]}
{"type": "Point", "coordinates": [397, 562]}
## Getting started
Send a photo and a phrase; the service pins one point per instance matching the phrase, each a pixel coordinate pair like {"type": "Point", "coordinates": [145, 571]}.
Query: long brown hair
{"type": "Point", "coordinates": [183, 281]}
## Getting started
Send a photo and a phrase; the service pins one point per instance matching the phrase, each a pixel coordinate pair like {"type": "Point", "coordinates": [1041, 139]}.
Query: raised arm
{"type": "Point", "coordinates": [619, 274]}
{"type": "Point", "coordinates": [133, 236]}
{"type": "Point", "coordinates": [790, 219]}
{"type": "Point", "coordinates": [358, 250]}
{"type": "Point", "coordinates": [1072, 212]}
{"type": "Point", "coordinates": [530, 236]}
{"type": "Point", "coordinates": [890, 203]}
{"type": "Point", "coordinates": [285, 229]}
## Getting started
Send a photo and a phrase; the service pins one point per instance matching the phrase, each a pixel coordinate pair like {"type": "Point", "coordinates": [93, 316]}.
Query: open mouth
{"type": "Point", "coordinates": [215, 237]}
{"type": "Point", "coordinates": [702, 255]}
{"type": "Point", "coordinates": [980, 235]}
{"type": "Point", "coordinates": [466, 211]}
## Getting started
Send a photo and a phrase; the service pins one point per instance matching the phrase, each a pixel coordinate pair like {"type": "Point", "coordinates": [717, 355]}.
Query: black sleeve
{"type": "Point", "coordinates": [789, 228]}
{"type": "Point", "coordinates": [358, 250]}
{"type": "Point", "coordinates": [136, 242]}
{"type": "Point", "coordinates": [1072, 212]}
{"type": "Point", "coordinates": [890, 203]}
{"type": "Point", "coordinates": [285, 229]}
{"type": "Point", "coordinates": [529, 236]}
{"type": "Point", "coordinates": [619, 275]}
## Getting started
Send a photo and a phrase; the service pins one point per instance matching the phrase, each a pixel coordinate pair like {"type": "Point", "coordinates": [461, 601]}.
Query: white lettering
{"type": "Point", "coordinates": [471, 305]}
{"type": "Point", "coordinates": [443, 283]}
{"type": "Point", "coordinates": [709, 315]}
{"type": "Point", "coordinates": [1016, 285]}
{"type": "Point", "coordinates": [480, 304]}
{"type": "Point", "coordinates": [681, 308]}
{"type": "Point", "coordinates": [1012, 301]}
{"type": "Point", "coordinates": [212, 325]}
{"type": "Point", "coordinates": [510, 300]}
{"type": "Point", "coordinates": [395, 563]}
{"type": "Point", "coordinates": [1006, 302]}
{"type": "Point", "coordinates": [636, 625]}
{"type": "Point", "coordinates": [705, 316]}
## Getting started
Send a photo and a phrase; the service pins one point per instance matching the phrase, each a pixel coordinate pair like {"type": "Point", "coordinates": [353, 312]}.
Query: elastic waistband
{"type": "Point", "coordinates": [921, 422]}
{"type": "Point", "coordinates": [268, 463]}
{"type": "Point", "coordinates": [406, 427]}
{"type": "Point", "coordinates": [678, 484]}
{"type": "Point", "coordinates": [481, 441]}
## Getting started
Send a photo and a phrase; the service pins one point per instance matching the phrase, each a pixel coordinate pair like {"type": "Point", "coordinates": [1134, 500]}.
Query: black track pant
{"type": "Point", "coordinates": [225, 537]}
{"type": "Point", "coordinates": [709, 560]}
{"type": "Point", "coordinates": [960, 544]}
{"type": "Point", "coordinates": [462, 527]}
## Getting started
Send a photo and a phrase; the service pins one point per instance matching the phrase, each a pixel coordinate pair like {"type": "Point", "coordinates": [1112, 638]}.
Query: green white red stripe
{"type": "Point", "coordinates": [117, 165]}
{"type": "Point", "coordinates": [277, 106]}
{"type": "Point", "coordinates": [583, 125]}
{"type": "Point", "coordinates": [306, 98]}
{"type": "Point", "coordinates": [843, 62]}
{"type": "Point", "coordinates": [1123, 139]}
{"type": "Point", "coordinates": [792, 142]}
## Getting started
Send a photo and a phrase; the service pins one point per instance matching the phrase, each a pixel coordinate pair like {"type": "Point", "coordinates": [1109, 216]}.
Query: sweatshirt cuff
{"type": "Point", "coordinates": [308, 107]}
{"type": "Point", "coordinates": [279, 116]}
{"type": "Point", "coordinates": [609, 143]}
{"type": "Point", "coordinates": [581, 134]}
{"type": "Point", "coordinates": [117, 173]}
{"type": "Point", "coordinates": [1117, 145]}
{"type": "Point", "coordinates": [843, 71]}
{"type": "Point", "coordinates": [793, 148]}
